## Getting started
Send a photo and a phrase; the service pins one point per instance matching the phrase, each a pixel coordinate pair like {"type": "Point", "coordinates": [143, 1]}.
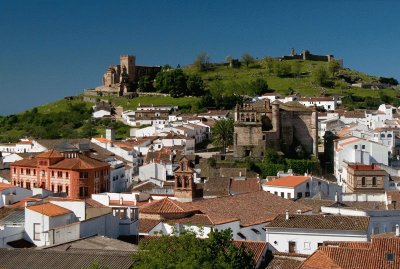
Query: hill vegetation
{"type": "Point", "coordinates": [204, 85]}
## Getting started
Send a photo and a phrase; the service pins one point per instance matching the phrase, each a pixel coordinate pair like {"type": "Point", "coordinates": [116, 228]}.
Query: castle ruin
{"type": "Point", "coordinates": [122, 79]}
{"type": "Point", "coordinates": [286, 127]}
{"type": "Point", "coordinates": [306, 55]}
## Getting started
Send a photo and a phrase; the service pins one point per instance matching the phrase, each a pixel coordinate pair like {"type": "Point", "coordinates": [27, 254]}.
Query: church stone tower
{"type": "Point", "coordinates": [185, 188]}
{"type": "Point", "coordinates": [128, 61]}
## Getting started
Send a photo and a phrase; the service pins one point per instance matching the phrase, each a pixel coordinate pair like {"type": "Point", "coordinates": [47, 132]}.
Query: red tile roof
{"type": "Point", "coordinates": [146, 225]}
{"type": "Point", "coordinates": [244, 186]}
{"type": "Point", "coordinates": [49, 209]}
{"type": "Point", "coordinates": [365, 167]}
{"type": "Point", "coordinates": [258, 248]}
{"type": "Point", "coordinates": [166, 206]}
{"type": "Point", "coordinates": [320, 222]}
{"type": "Point", "coordinates": [250, 208]}
{"type": "Point", "coordinates": [82, 162]}
{"type": "Point", "coordinates": [196, 219]}
{"type": "Point", "coordinates": [349, 257]}
{"type": "Point", "coordinates": [28, 162]}
{"type": "Point", "coordinates": [4, 186]}
{"type": "Point", "coordinates": [289, 181]}
{"type": "Point", "coordinates": [50, 154]}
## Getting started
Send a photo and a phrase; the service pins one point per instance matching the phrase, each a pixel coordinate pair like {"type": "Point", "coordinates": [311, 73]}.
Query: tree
{"type": "Point", "coordinates": [172, 82]}
{"type": "Point", "coordinates": [320, 76]}
{"type": "Point", "coordinates": [187, 251]}
{"type": "Point", "coordinates": [145, 84]}
{"type": "Point", "coordinates": [333, 67]}
{"type": "Point", "coordinates": [247, 59]}
{"type": "Point", "coordinates": [195, 85]}
{"type": "Point", "coordinates": [202, 61]}
{"type": "Point", "coordinates": [222, 133]}
{"type": "Point", "coordinates": [296, 68]}
{"type": "Point", "coordinates": [258, 87]}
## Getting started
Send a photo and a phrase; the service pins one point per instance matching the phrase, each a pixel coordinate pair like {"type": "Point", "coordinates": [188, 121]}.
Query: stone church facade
{"type": "Point", "coordinates": [286, 127]}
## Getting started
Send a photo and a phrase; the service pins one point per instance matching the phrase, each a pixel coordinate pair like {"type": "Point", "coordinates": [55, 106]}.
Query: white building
{"type": "Point", "coordinates": [303, 234]}
{"type": "Point", "coordinates": [23, 146]}
{"type": "Point", "coordinates": [101, 114]}
{"type": "Point", "coordinates": [296, 187]}
{"type": "Point", "coordinates": [357, 150]}
{"type": "Point", "coordinates": [10, 194]}
{"type": "Point", "coordinates": [328, 103]}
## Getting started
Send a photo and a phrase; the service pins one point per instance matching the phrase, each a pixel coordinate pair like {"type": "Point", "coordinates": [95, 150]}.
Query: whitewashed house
{"type": "Point", "coordinates": [329, 103]}
{"type": "Point", "coordinates": [296, 187]}
{"type": "Point", "coordinates": [10, 194]}
{"type": "Point", "coordinates": [357, 150]}
{"type": "Point", "coordinates": [303, 234]}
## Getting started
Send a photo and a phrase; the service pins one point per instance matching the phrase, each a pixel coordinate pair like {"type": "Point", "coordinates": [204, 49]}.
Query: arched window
{"type": "Point", "coordinates": [382, 135]}
{"type": "Point", "coordinates": [389, 135]}
{"type": "Point", "coordinates": [363, 181]}
{"type": "Point", "coordinates": [374, 181]}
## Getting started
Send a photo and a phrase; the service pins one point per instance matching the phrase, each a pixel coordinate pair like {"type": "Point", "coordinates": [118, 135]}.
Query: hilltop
{"type": "Point", "coordinates": [222, 87]}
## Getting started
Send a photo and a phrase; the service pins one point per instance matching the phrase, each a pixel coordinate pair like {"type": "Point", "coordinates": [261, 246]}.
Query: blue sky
{"type": "Point", "coordinates": [53, 48]}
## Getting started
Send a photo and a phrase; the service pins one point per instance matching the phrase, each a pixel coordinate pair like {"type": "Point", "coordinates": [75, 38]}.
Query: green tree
{"type": "Point", "coordinates": [296, 68]}
{"type": "Point", "coordinates": [333, 67]}
{"type": "Point", "coordinates": [145, 84]}
{"type": "Point", "coordinates": [202, 61]}
{"type": "Point", "coordinates": [320, 76]}
{"type": "Point", "coordinates": [172, 82]}
{"type": "Point", "coordinates": [195, 85]}
{"type": "Point", "coordinates": [247, 59]}
{"type": "Point", "coordinates": [188, 252]}
{"type": "Point", "coordinates": [222, 133]}
{"type": "Point", "coordinates": [258, 87]}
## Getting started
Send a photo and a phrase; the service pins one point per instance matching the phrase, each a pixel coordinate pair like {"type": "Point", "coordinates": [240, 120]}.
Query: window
{"type": "Point", "coordinates": [59, 188]}
{"type": "Point", "coordinates": [83, 191]}
{"type": "Point", "coordinates": [276, 193]}
{"type": "Point", "coordinates": [282, 194]}
{"type": "Point", "coordinates": [34, 172]}
{"type": "Point", "coordinates": [363, 182]}
{"type": "Point", "coordinates": [362, 146]}
{"type": "Point", "coordinates": [376, 230]}
{"type": "Point", "coordinates": [15, 170]}
{"type": "Point", "coordinates": [292, 247]}
{"type": "Point", "coordinates": [389, 135]}
{"type": "Point", "coordinates": [36, 231]}
{"type": "Point", "coordinates": [52, 173]}
{"type": "Point", "coordinates": [28, 171]}
{"type": "Point", "coordinates": [382, 135]}
{"type": "Point", "coordinates": [299, 195]}
{"type": "Point", "coordinates": [83, 174]}
{"type": "Point", "coordinates": [355, 146]}
{"type": "Point", "coordinates": [59, 174]}
{"type": "Point", "coordinates": [307, 194]}
{"type": "Point", "coordinates": [28, 185]}
{"type": "Point", "coordinates": [67, 190]}
{"type": "Point", "coordinates": [289, 195]}
{"type": "Point", "coordinates": [66, 174]}
{"type": "Point", "coordinates": [374, 181]}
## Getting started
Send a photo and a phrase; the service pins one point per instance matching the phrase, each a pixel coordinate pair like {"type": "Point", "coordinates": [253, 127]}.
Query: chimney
{"type": "Point", "coordinates": [121, 201]}
{"type": "Point", "coordinates": [337, 197]}
{"type": "Point", "coordinates": [240, 173]}
{"type": "Point", "coordinates": [397, 230]}
{"type": "Point", "coordinates": [287, 214]}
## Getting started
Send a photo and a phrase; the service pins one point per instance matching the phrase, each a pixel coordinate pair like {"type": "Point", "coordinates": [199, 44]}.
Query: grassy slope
{"type": "Point", "coordinates": [302, 84]}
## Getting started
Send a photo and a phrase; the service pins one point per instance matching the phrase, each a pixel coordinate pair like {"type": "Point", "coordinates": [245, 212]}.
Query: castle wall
{"type": "Point", "coordinates": [249, 140]}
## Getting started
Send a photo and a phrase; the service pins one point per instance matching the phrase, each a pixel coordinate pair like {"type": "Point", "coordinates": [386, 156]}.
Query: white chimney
{"type": "Point", "coordinates": [397, 230]}
{"type": "Point", "coordinates": [121, 201]}
{"type": "Point", "coordinates": [337, 197]}
{"type": "Point", "coordinates": [240, 173]}
{"type": "Point", "coordinates": [287, 214]}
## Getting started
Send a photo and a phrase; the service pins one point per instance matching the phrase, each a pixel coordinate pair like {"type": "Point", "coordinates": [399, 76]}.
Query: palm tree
{"type": "Point", "coordinates": [222, 133]}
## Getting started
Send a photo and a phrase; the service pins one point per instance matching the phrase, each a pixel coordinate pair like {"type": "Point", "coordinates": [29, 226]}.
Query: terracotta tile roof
{"type": "Point", "coordinates": [216, 186]}
{"type": "Point", "coordinates": [196, 219]}
{"type": "Point", "coordinates": [258, 248]}
{"type": "Point", "coordinates": [354, 114]}
{"type": "Point", "coordinates": [315, 204]}
{"type": "Point", "coordinates": [284, 261]}
{"type": "Point", "coordinates": [102, 140]}
{"type": "Point", "coordinates": [250, 208]}
{"type": "Point", "coordinates": [289, 181]}
{"type": "Point", "coordinates": [167, 206]}
{"type": "Point", "coordinates": [28, 162]}
{"type": "Point", "coordinates": [124, 203]}
{"type": "Point", "coordinates": [50, 154]}
{"type": "Point", "coordinates": [244, 186]}
{"type": "Point", "coordinates": [4, 186]}
{"type": "Point", "coordinates": [348, 257]}
{"type": "Point", "coordinates": [82, 162]}
{"type": "Point", "coordinates": [49, 209]}
{"type": "Point", "coordinates": [320, 222]}
{"type": "Point", "coordinates": [365, 167]}
{"type": "Point", "coordinates": [146, 224]}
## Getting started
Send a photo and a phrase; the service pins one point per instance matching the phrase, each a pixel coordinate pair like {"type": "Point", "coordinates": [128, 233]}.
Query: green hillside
{"type": "Point", "coordinates": [220, 86]}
